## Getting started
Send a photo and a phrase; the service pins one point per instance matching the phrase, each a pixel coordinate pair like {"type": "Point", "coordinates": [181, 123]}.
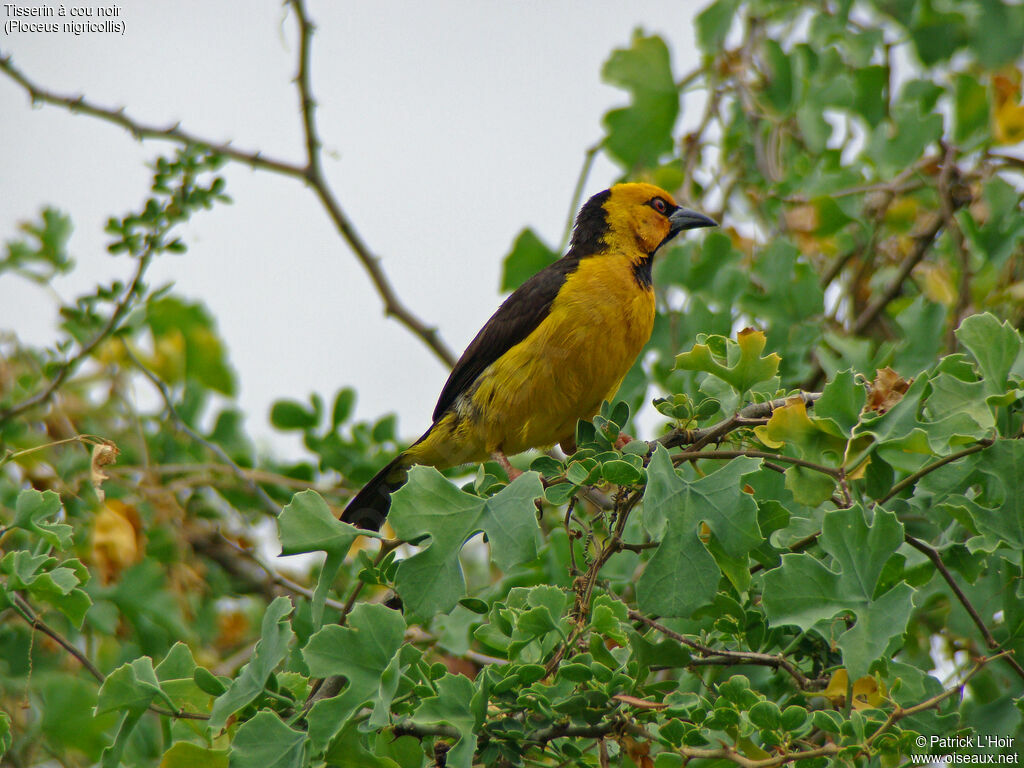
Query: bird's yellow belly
{"type": "Point", "coordinates": [534, 394]}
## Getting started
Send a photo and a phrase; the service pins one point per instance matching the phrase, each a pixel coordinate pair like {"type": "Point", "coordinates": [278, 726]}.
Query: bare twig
{"type": "Point", "coordinates": [313, 174]}
{"type": "Point", "coordinates": [140, 130]}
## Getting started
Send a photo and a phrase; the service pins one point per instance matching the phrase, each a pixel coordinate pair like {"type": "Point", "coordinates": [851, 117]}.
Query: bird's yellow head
{"type": "Point", "coordinates": [631, 217]}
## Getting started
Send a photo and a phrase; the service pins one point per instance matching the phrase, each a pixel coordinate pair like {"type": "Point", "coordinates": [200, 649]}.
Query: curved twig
{"type": "Point", "coordinates": [72, 363]}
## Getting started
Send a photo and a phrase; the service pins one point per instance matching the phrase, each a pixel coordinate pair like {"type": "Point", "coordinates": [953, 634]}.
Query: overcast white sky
{"type": "Point", "coordinates": [450, 126]}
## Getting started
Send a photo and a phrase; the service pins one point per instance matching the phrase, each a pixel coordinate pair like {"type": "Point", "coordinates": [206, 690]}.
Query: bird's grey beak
{"type": "Point", "coordinates": [682, 219]}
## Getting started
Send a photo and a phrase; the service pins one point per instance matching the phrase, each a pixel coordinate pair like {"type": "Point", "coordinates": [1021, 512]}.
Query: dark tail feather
{"type": "Point", "coordinates": [369, 508]}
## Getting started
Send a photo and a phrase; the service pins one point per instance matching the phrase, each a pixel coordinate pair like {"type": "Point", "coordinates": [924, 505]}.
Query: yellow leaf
{"type": "Point", "coordinates": [868, 693]}
{"type": "Point", "coordinates": [116, 542]}
{"type": "Point", "coordinates": [789, 423]}
{"type": "Point", "coordinates": [1007, 110]}
{"type": "Point", "coordinates": [937, 284]}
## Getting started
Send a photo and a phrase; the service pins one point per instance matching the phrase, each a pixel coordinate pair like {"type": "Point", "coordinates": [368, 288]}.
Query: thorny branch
{"type": "Point", "coordinates": [309, 172]}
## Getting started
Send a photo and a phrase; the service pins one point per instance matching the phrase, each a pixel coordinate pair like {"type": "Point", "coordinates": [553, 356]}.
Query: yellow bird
{"type": "Point", "coordinates": [554, 350]}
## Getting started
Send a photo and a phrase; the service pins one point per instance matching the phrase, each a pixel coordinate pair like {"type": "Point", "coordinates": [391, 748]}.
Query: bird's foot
{"type": "Point", "coordinates": [502, 459]}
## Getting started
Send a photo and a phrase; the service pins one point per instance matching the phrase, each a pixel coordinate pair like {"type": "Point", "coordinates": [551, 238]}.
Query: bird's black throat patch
{"type": "Point", "coordinates": [591, 226]}
{"type": "Point", "coordinates": [642, 272]}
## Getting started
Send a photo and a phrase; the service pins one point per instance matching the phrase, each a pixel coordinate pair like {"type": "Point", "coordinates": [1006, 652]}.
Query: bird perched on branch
{"type": "Point", "coordinates": [554, 350]}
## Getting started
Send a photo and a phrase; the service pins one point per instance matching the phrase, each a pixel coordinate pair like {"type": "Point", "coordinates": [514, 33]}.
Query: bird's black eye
{"type": "Point", "coordinates": [659, 205]}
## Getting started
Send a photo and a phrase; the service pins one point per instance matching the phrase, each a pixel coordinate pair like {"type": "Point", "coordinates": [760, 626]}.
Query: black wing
{"type": "Point", "coordinates": [515, 319]}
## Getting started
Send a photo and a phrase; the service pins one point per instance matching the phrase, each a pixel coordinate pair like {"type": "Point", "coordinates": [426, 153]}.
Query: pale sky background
{"type": "Point", "coordinates": [449, 125]}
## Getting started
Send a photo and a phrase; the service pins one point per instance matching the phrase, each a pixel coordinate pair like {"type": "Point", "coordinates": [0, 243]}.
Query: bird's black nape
{"type": "Point", "coordinates": [591, 226]}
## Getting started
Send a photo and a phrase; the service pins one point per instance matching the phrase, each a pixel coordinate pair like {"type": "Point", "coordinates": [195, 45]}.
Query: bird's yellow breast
{"type": "Point", "coordinates": [534, 394]}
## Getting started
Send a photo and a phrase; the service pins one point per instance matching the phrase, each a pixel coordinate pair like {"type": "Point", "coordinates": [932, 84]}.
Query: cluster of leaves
{"type": "Point", "coordinates": [783, 575]}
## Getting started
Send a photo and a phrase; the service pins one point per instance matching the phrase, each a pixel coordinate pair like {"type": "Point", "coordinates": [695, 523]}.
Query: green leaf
{"type": "Point", "coordinates": [275, 636]}
{"type": "Point", "coordinates": [900, 142]}
{"type": "Point", "coordinates": [871, 85]}
{"type": "Point", "coordinates": [937, 36]}
{"type": "Point", "coordinates": [996, 33]}
{"type": "Point", "coordinates": [45, 579]}
{"type": "Point", "coordinates": [290, 414]}
{"type": "Point", "coordinates": [743, 366]}
{"type": "Point", "coordinates": [779, 77]}
{"type": "Point", "coordinates": [803, 591]}
{"type": "Point", "coordinates": [1000, 511]}
{"type": "Point", "coordinates": [838, 409]}
{"type": "Point", "coordinates": [130, 689]}
{"type": "Point", "coordinates": [431, 581]}
{"type": "Point", "coordinates": [347, 750]}
{"type": "Point", "coordinates": [307, 525]}
{"type": "Point", "coordinates": [185, 755]}
{"type": "Point", "coordinates": [5, 733]}
{"type": "Point", "coordinates": [682, 576]}
{"type": "Point", "coordinates": [460, 704]}
{"type": "Point", "coordinates": [361, 652]}
{"type": "Point", "coordinates": [996, 346]}
{"type": "Point", "coordinates": [529, 255]}
{"type": "Point", "coordinates": [640, 133]}
{"type": "Point", "coordinates": [713, 24]}
{"type": "Point", "coordinates": [30, 510]}
{"type": "Point", "coordinates": [344, 402]}
{"type": "Point", "coordinates": [971, 109]}
{"type": "Point", "coordinates": [266, 742]}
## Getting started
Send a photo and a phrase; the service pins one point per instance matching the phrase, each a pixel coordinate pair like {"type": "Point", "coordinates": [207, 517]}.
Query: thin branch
{"type": "Point", "coordinates": [71, 365]}
{"type": "Point", "coordinates": [933, 554]}
{"type": "Point", "coordinates": [310, 173]}
{"type": "Point", "coordinates": [730, 754]}
{"type": "Point", "coordinates": [741, 657]}
{"type": "Point", "coordinates": [908, 481]}
{"type": "Point", "coordinates": [28, 614]}
{"type": "Point", "coordinates": [753, 412]}
{"type": "Point", "coordinates": [313, 174]}
{"type": "Point", "coordinates": [140, 130]}
{"type": "Point", "coordinates": [270, 506]}
{"type": "Point", "coordinates": [922, 243]}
